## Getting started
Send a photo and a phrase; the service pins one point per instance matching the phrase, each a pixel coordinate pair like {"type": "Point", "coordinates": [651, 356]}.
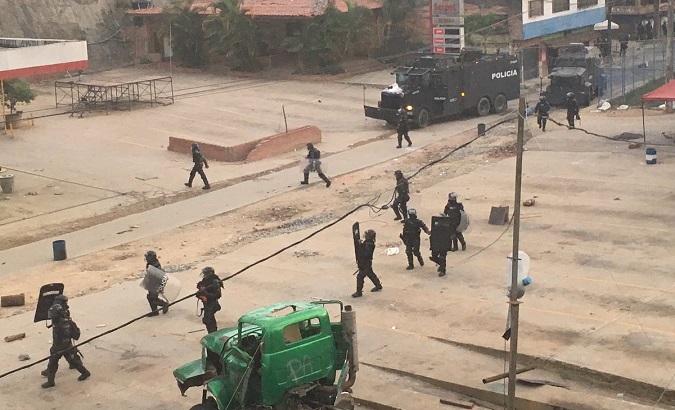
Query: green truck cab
{"type": "Point", "coordinates": [285, 356]}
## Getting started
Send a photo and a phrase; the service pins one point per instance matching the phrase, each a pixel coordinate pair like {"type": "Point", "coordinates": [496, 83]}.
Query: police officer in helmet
{"type": "Point", "coordinates": [401, 196]}
{"type": "Point", "coordinates": [572, 109]}
{"type": "Point", "coordinates": [454, 209]}
{"type": "Point", "coordinates": [153, 297]}
{"type": "Point", "coordinates": [365, 252]}
{"type": "Point", "coordinates": [541, 109]}
{"type": "Point", "coordinates": [209, 291]}
{"type": "Point", "coordinates": [411, 237]}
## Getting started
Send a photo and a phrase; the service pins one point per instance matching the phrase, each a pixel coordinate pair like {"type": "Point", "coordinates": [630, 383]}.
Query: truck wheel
{"type": "Point", "coordinates": [501, 104]}
{"type": "Point", "coordinates": [422, 118]}
{"type": "Point", "coordinates": [483, 107]}
{"type": "Point", "coordinates": [203, 406]}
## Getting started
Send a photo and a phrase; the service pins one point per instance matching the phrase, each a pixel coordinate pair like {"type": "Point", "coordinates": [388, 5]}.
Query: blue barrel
{"type": "Point", "coordinates": [650, 156]}
{"type": "Point", "coordinates": [59, 250]}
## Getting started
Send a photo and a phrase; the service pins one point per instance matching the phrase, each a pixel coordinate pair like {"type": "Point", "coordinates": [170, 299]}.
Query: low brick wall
{"type": "Point", "coordinates": [253, 150]}
{"type": "Point", "coordinates": [285, 142]}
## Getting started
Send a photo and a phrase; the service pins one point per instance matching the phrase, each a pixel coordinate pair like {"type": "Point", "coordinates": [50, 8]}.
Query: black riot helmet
{"type": "Point", "coordinates": [412, 213]}
{"type": "Point", "coordinates": [195, 147]}
{"type": "Point", "coordinates": [310, 146]}
{"type": "Point", "coordinates": [369, 235]}
{"type": "Point", "coordinates": [61, 299]}
{"type": "Point", "coordinates": [452, 196]}
{"type": "Point", "coordinates": [56, 312]}
{"type": "Point", "coordinates": [150, 256]}
{"type": "Point", "coordinates": [208, 271]}
{"type": "Point", "coordinates": [398, 174]}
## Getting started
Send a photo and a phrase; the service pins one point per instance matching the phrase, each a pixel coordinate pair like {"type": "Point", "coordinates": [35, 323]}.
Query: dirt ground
{"type": "Point", "coordinates": [600, 308]}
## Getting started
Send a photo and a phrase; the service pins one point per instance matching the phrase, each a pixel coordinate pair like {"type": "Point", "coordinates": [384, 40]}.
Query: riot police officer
{"type": "Point", "coordinates": [411, 237]}
{"type": "Point", "coordinates": [62, 334]}
{"type": "Point", "coordinates": [541, 109]}
{"type": "Point", "coordinates": [198, 168]}
{"type": "Point", "coordinates": [314, 159]}
{"type": "Point", "coordinates": [572, 109]}
{"type": "Point", "coordinates": [402, 127]}
{"type": "Point", "coordinates": [209, 291]}
{"type": "Point", "coordinates": [365, 252]}
{"type": "Point", "coordinates": [153, 297]}
{"type": "Point", "coordinates": [401, 196]}
{"type": "Point", "coordinates": [454, 209]}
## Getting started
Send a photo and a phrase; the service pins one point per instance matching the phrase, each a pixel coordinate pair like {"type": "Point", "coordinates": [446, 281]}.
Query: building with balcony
{"type": "Point", "coordinates": [538, 28]}
{"type": "Point", "coordinates": [628, 13]}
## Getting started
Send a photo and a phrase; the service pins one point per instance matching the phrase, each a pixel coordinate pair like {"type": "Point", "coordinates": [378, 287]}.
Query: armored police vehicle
{"type": "Point", "coordinates": [575, 70]}
{"type": "Point", "coordinates": [288, 356]}
{"type": "Point", "coordinates": [440, 85]}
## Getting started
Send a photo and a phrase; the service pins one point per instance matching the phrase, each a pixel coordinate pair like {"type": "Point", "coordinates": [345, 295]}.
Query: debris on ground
{"type": "Point", "coordinates": [528, 202]}
{"type": "Point", "coordinates": [622, 107]}
{"type": "Point", "coordinates": [391, 251]}
{"type": "Point", "coordinates": [12, 338]}
{"type": "Point", "coordinates": [13, 300]}
{"type": "Point", "coordinates": [305, 254]}
{"type": "Point", "coordinates": [24, 357]}
{"type": "Point", "coordinates": [634, 145]}
{"type": "Point", "coordinates": [627, 136]}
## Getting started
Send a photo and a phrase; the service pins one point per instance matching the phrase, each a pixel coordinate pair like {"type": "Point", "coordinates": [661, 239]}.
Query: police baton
{"type": "Point", "coordinates": [355, 272]}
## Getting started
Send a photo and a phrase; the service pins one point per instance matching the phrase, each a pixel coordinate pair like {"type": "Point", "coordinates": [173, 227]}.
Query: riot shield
{"type": "Point", "coordinates": [46, 300]}
{"type": "Point", "coordinates": [158, 281]}
{"type": "Point", "coordinates": [441, 234]}
{"type": "Point", "coordinates": [356, 234]}
{"type": "Point", "coordinates": [463, 222]}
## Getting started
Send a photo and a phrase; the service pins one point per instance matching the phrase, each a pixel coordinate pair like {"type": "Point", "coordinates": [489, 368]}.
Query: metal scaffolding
{"type": "Point", "coordinates": [111, 94]}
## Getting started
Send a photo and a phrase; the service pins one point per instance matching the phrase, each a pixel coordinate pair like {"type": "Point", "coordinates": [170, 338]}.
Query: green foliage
{"type": "Point", "coordinates": [187, 35]}
{"type": "Point", "coordinates": [17, 91]}
{"type": "Point", "coordinates": [634, 98]}
{"type": "Point", "coordinates": [399, 29]}
{"type": "Point", "coordinates": [328, 39]}
{"type": "Point", "coordinates": [485, 24]}
{"type": "Point", "coordinates": [232, 34]}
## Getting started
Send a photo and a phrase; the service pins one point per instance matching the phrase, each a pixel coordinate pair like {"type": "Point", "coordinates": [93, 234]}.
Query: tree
{"type": "Point", "coordinates": [484, 25]}
{"type": "Point", "coordinates": [187, 34]}
{"type": "Point", "coordinates": [400, 28]}
{"type": "Point", "coordinates": [233, 34]}
{"type": "Point", "coordinates": [17, 91]}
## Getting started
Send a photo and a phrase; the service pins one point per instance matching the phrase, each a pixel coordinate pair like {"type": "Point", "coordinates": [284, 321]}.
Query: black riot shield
{"type": "Point", "coordinates": [442, 230]}
{"type": "Point", "coordinates": [356, 233]}
{"type": "Point", "coordinates": [46, 300]}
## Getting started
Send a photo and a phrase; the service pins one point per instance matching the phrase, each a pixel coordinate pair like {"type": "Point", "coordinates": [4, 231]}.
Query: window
{"type": "Point", "coordinates": [561, 5]}
{"type": "Point", "coordinates": [302, 330]}
{"type": "Point", "coordinates": [536, 8]}
{"type": "Point", "coordinates": [584, 4]}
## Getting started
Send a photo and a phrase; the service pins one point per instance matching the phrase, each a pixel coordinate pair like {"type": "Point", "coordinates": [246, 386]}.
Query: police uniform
{"type": "Point", "coordinates": [153, 297]}
{"type": "Point", "coordinates": [209, 291]}
{"type": "Point", "coordinates": [400, 204]}
{"type": "Point", "coordinates": [454, 210]}
{"type": "Point", "coordinates": [198, 168]}
{"type": "Point", "coordinates": [402, 128]}
{"type": "Point", "coordinates": [366, 249]}
{"type": "Point", "coordinates": [572, 109]}
{"type": "Point", "coordinates": [62, 344]}
{"type": "Point", "coordinates": [314, 159]}
{"type": "Point", "coordinates": [541, 109]}
{"type": "Point", "coordinates": [411, 237]}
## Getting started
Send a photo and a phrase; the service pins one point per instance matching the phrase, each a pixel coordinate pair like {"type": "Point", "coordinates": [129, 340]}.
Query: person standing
{"type": "Point", "coordinates": [364, 260]}
{"type": "Point", "coordinates": [640, 31]}
{"type": "Point", "coordinates": [572, 109]}
{"type": "Point", "coordinates": [314, 165]}
{"type": "Point", "coordinates": [401, 196]}
{"type": "Point", "coordinates": [209, 291]}
{"type": "Point", "coordinates": [649, 30]}
{"type": "Point", "coordinates": [664, 28]}
{"type": "Point", "coordinates": [63, 332]}
{"type": "Point", "coordinates": [440, 241]}
{"type": "Point", "coordinates": [453, 210]}
{"type": "Point", "coordinates": [412, 229]}
{"type": "Point", "coordinates": [402, 127]}
{"type": "Point", "coordinates": [541, 109]}
{"type": "Point", "coordinates": [623, 45]}
{"type": "Point", "coordinates": [153, 297]}
{"type": "Point", "coordinates": [198, 167]}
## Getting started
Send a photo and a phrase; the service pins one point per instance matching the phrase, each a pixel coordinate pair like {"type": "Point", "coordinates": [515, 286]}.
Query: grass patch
{"type": "Point", "coordinates": [634, 98]}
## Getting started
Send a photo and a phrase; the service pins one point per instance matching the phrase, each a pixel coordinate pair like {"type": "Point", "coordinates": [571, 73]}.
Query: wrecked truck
{"type": "Point", "coordinates": [288, 356]}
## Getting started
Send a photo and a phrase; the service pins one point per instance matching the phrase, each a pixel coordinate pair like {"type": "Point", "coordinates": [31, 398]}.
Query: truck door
{"type": "Point", "coordinates": [453, 83]}
{"type": "Point", "coordinates": [440, 96]}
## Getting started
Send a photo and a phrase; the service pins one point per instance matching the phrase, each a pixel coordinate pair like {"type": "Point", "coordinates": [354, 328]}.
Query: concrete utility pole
{"type": "Point", "coordinates": [669, 52]}
{"type": "Point", "coordinates": [657, 19]}
{"type": "Point", "coordinates": [513, 297]}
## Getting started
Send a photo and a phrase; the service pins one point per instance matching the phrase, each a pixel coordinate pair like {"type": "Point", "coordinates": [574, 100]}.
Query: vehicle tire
{"type": "Point", "coordinates": [203, 406]}
{"type": "Point", "coordinates": [500, 104]}
{"type": "Point", "coordinates": [422, 118]}
{"type": "Point", "coordinates": [484, 106]}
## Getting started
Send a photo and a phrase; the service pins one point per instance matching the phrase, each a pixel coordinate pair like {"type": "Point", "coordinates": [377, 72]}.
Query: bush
{"type": "Point", "coordinates": [18, 91]}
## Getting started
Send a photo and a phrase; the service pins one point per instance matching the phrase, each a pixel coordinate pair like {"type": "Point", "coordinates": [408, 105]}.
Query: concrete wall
{"type": "Point", "coordinates": [254, 150]}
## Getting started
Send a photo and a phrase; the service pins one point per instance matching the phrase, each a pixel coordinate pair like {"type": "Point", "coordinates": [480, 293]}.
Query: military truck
{"type": "Point", "coordinates": [575, 70]}
{"type": "Point", "coordinates": [439, 86]}
{"type": "Point", "coordinates": [288, 356]}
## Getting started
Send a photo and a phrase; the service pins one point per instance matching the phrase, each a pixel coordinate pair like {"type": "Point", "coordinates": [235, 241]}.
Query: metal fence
{"type": "Point", "coordinates": [626, 70]}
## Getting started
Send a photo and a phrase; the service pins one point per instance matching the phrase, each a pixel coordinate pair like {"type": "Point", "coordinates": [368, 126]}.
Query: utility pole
{"type": "Point", "coordinates": [513, 297]}
{"type": "Point", "coordinates": [669, 51]}
{"type": "Point", "coordinates": [657, 19]}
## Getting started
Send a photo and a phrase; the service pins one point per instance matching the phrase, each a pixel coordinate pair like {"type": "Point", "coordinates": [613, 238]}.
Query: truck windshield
{"type": "Point", "coordinates": [412, 80]}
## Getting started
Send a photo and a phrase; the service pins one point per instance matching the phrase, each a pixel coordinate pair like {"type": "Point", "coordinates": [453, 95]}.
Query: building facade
{"type": "Point", "coordinates": [539, 27]}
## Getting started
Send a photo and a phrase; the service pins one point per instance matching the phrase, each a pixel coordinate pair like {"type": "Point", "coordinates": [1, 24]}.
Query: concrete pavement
{"type": "Point", "coordinates": [174, 215]}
